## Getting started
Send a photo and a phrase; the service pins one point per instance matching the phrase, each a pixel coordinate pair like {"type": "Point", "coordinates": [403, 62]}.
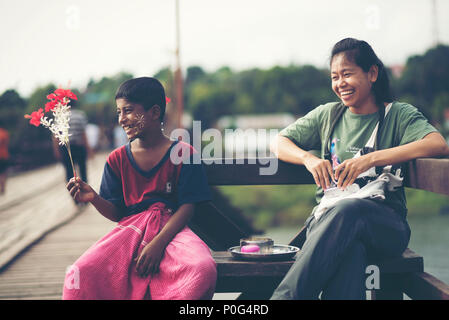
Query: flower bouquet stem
{"type": "Point", "coordinates": [59, 124]}
{"type": "Point", "coordinates": [71, 159]}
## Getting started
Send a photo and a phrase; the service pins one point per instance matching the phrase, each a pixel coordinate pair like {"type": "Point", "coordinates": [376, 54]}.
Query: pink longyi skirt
{"type": "Point", "coordinates": [107, 270]}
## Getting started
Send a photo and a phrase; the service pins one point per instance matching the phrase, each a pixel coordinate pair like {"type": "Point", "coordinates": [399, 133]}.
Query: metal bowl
{"type": "Point", "coordinates": [279, 253]}
{"type": "Point", "coordinates": [265, 244]}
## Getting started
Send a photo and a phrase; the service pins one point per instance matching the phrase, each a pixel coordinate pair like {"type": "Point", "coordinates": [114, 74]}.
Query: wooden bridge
{"type": "Point", "coordinates": [42, 232]}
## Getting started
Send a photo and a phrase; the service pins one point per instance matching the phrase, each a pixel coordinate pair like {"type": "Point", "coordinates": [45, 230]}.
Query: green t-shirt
{"type": "Point", "coordinates": [402, 125]}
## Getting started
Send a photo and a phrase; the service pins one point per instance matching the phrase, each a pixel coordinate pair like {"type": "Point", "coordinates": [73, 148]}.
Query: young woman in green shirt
{"type": "Point", "coordinates": [334, 256]}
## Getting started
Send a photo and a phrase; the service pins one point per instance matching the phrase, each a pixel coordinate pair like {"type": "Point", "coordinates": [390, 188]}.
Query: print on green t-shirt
{"type": "Point", "coordinates": [350, 135]}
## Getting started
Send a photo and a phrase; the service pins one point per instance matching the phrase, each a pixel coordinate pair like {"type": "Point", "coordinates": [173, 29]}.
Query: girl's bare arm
{"type": "Point", "coordinates": [288, 151]}
{"type": "Point", "coordinates": [83, 192]}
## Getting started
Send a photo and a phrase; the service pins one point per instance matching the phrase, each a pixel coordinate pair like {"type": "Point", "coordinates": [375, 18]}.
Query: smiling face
{"type": "Point", "coordinates": [352, 85]}
{"type": "Point", "coordinates": [134, 119]}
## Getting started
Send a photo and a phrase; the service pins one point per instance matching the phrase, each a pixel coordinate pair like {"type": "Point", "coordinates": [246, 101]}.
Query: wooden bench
{"type": "Point", "coordinates": [257, 280]}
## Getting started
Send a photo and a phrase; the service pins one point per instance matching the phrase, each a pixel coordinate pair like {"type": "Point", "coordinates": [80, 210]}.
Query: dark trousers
{"type": "Point", "coordinates": [79, 155]}
{"type": "Point", "coordinates": [334, 256]}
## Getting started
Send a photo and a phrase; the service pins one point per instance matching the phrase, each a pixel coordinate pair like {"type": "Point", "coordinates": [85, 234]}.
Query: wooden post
{"type": "Point", "coordinates": [179, 86]}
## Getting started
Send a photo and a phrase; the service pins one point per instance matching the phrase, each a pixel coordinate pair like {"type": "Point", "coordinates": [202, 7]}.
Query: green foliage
{"type": "Point", "coordinates": [294, 89]}
{"type": "Point", "coordinates": [98, 100]}
{"type": "Point", "coordinates": [440, 103]}
{"type": "Point", "coordinates": [272, 206]}
{"type": "Point", "coordinates": [425, 82]}
{"type": "Point", "coordinates": [425, 202]}
{"type": "Point", "coordinates": [166, 77]}
{"type": "Point", "coordinates": [38, 98]}
{"type": "Point", "coordinates": [269, 206]}
{"type": "Point", "coordinates": [29, 146]}
{"type": "Point", "coordinates": [194, 73]}
{"type": "Point", "coordinates": [12, 107]}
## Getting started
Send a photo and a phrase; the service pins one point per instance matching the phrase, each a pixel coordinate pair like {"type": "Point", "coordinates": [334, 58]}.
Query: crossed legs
{"type": "Point", "coordinates": [333, 257]}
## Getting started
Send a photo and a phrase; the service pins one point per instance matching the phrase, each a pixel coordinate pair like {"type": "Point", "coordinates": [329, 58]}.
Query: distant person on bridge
{"type": "Point", "coordinates": [366, 131]}
{"type": "Point", "coordinates": [151, 254]}
{"type": "Point", "coordinates": [79, 144]}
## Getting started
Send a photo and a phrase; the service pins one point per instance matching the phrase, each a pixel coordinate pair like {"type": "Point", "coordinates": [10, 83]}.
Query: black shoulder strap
{"type": "Point", "coordinates": [335, 115]}
{"type": "Point", "coordinates": [381, 121]}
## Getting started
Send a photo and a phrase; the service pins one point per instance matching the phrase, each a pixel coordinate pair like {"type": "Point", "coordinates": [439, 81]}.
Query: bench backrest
{"type": "Point", "coordinates": [220, 231]}
{"type": "Point", "coordinates": [427, 173]}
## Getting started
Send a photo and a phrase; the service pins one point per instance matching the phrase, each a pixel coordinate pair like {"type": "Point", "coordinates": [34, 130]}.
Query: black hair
{"type": "Point", "coordinates": [361, 53]}
{"type": "Point", "coordinates": [146, 91]}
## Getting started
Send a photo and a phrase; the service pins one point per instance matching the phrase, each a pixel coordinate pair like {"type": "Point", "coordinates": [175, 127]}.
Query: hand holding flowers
{"type": "Point", "coordinates": [80, 191]}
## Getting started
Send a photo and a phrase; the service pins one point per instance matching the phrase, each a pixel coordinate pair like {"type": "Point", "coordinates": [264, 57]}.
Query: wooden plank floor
{"type": "Point", "coordinates": [38, 214]}
{"type": "Point", "coordinates": [37, 202]}
{"type": "Point", "coordinates": [39, 272]}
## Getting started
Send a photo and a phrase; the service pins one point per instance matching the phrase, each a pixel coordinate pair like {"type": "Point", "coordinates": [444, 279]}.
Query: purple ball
{"type": "Point", "coordinates": [250, 248]}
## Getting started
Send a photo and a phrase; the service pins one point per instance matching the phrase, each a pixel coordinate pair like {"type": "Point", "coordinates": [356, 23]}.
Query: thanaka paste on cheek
{"type": "Point", "coordinates": [140, 121]}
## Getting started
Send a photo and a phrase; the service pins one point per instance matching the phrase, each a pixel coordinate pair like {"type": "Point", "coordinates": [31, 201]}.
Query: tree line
{"type": "Point", "coordinates": [294, 89]}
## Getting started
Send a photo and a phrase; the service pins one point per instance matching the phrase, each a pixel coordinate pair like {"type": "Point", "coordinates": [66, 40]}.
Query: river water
{"type": "Point", "coordinates": [430, 239]}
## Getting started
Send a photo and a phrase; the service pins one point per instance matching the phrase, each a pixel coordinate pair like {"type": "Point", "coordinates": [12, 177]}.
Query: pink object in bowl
{"type": "Point", "coordinates": [250, 248]}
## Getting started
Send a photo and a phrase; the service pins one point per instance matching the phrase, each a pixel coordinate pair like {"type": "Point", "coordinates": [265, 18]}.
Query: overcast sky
{"type": "Point", "coordinates": [64, 42]}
